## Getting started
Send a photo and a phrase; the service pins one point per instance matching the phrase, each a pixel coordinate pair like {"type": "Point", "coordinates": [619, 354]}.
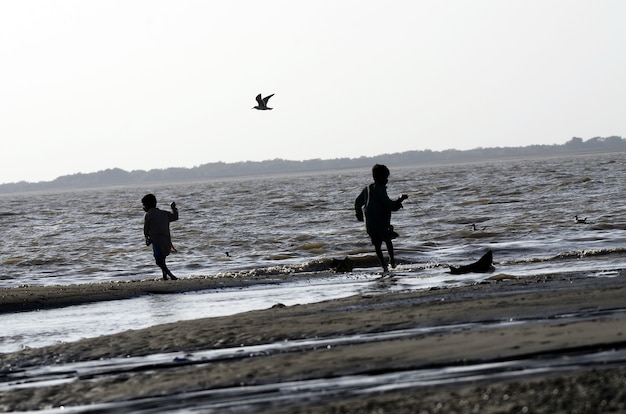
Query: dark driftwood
{"type": "Point", "coordinates": [343, 266]}
{"type": "Point", "coordinates": [482, 265]}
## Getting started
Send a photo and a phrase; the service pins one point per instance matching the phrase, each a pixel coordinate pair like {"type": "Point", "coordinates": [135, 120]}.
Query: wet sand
{"type": "Point", "coordinates": [36, 297]}
{"type": "Point", "coordinates": [540, 302]}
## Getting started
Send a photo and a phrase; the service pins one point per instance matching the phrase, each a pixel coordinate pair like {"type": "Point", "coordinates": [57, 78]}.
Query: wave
{"type": "Point", "coordinates": [590, 253]}
{"type": "Point", "coordinates": [21, 261]}
{"type": "Point", "coordinates": [608, 226]}
{"type": "Point", "coordinates": [577, 254]}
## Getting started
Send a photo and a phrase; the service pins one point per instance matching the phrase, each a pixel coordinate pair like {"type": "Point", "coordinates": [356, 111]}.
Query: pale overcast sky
{"type": "Point", "coordinates": [143, 84]}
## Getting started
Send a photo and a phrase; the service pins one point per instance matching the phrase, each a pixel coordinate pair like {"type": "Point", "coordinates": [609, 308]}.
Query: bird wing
{"type": "Point", "coordinates": [267, 98]}
{"type": "Point", "coordinates": [259, 100]}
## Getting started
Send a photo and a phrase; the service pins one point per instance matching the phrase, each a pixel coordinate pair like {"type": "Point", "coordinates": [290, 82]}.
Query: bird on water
{"type": "Point", "coordinates": [262, 103]}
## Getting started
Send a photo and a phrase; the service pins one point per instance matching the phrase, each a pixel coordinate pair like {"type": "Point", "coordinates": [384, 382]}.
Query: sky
{"type": "Point", "coordinates": [145, 84]}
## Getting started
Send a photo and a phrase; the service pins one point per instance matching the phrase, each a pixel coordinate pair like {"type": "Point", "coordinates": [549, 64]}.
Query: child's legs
{"type": "Point", "coordinates": [379, 252]}
{"type": "Point", "coordinates": [392, 259]}
{"type": "Point", "coordinates": [164, 269]}
{"type": "Point", "coordinates": [160, 261]}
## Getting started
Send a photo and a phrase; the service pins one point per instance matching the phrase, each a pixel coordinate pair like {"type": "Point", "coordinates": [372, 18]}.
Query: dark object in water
{"type": "Point", "coordinates": [482, 265]}
{"type": "Point", "coordinates": [345, 265]}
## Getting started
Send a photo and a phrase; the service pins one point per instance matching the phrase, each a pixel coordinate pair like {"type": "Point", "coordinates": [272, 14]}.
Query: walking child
{"type": "Point", "coordinates": [378, 208]}
{"type": "Point", "coordinates": [156, 230]}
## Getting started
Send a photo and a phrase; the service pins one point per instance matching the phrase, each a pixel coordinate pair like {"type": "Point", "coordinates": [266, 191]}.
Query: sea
{"type": "Point", "coordinates": [523, 210]}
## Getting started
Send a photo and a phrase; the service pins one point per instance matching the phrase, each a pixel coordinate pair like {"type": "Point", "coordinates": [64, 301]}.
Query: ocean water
{"type": "Point", "coordinates": [521, 209]}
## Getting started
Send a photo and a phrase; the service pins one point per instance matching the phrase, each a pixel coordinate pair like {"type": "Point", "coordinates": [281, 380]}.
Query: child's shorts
{"type": "Point", "coordinates": [156, 250]}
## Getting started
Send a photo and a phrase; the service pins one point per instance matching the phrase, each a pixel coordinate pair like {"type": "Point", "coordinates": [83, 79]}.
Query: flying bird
{"type": "Point", "coordinates": [262, 102]}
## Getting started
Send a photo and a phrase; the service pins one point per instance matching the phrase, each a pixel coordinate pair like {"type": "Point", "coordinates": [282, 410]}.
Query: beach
{"type": "Point", "coordinates": [375, 335]}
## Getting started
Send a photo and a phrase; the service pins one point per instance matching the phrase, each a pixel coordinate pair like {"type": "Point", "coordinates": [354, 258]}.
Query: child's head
{"type": "Point", "coordinates": [380, 174]}
{"type": "Point", "coordinates": [149, 201]}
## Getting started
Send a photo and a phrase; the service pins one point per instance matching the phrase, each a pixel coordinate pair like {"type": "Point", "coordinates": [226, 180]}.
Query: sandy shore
{"type": "Point", "coordinates": [587, 389]}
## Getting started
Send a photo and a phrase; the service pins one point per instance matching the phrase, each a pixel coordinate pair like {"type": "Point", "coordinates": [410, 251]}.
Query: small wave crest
{"type": "Point", "coordinates": [32, 262]}
{"type": "Point", "coordinates": [320, 265]}
{"type": "Point", "coordinates": [589, 253]}
{"type": "Point", "coordinates": [314, 247]}
{"type": "Point", "coordinates": [577, 254]}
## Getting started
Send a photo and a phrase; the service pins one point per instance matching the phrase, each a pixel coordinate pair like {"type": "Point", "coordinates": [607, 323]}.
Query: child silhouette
{"type": "Point", "coordinates": [378, 208]}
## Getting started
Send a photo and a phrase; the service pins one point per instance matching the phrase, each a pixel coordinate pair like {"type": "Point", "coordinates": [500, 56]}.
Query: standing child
{"type": "Point", "coordinates": [156, 229]}
{"type": "Point", "coordinates": [378, 208]}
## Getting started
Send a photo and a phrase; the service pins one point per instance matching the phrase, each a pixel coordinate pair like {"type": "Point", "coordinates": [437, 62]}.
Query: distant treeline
{"type": "Point", "coordinates": [117, 176]}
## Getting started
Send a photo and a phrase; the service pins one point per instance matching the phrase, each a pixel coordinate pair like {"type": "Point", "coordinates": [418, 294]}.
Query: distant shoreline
{"type": "Point", "coordinates": [221, 170]}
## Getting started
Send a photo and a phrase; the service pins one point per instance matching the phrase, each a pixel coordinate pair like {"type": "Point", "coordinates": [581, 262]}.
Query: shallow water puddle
{"type": "Point", "coordinates": [64, 373]}
{"type": "Point", "coordinates": [50, 327]}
